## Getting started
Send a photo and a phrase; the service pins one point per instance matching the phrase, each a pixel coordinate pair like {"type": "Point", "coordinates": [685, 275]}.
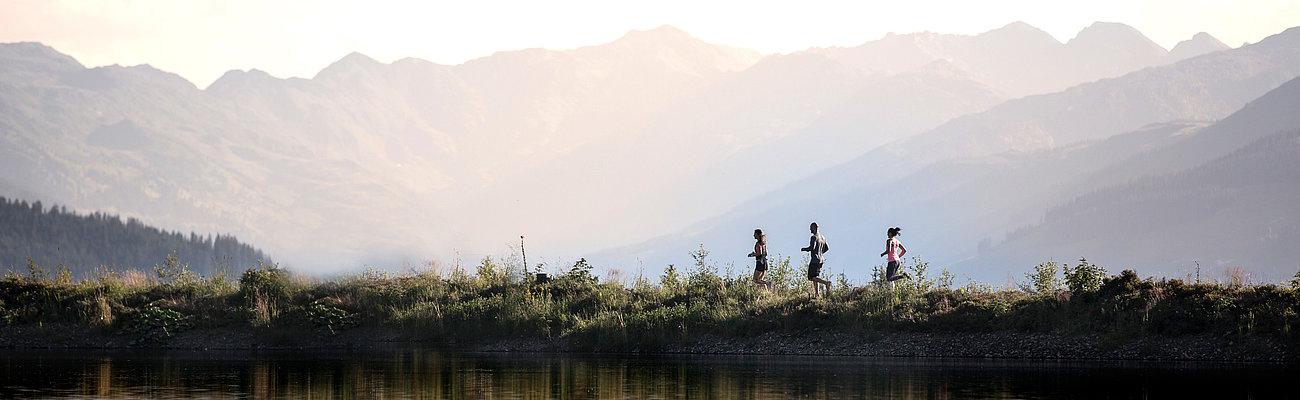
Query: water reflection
{"type": "Point", "coordinates": [432, 374]}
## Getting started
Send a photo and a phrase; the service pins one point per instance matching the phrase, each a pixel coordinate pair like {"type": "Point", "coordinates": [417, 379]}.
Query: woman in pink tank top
{"type": "Point", "coordinates": [894, 252]}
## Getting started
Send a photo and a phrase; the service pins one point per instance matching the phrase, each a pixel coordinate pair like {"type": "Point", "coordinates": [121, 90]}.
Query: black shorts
{"type": "Point", "coordinates": [814, 270]}
{"type": "Point", "coordinates": [893, 269]}
{"type": "Point", "coordinates": [760, 265]}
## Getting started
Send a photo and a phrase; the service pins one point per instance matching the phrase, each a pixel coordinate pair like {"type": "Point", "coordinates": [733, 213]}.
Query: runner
{"type": "Point", "coordinates": [760, 259]}
{"type": "Point", "coordinates": [817, 248]}
{"type": "Point", "coordinates": [894, 252]}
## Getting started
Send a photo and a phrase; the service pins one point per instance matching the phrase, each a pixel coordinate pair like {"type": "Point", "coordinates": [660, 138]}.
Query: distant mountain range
{"type": "Point", "coordinates": [604, 145]}
{"type": "Point", "coordinates": [1019, 59]}
{"type": "Point", "coordinates": [981, 190]}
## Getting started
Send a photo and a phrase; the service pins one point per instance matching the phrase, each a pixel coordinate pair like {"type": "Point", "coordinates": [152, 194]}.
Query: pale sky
{"type": "Point", "coordinates": [201, 39]}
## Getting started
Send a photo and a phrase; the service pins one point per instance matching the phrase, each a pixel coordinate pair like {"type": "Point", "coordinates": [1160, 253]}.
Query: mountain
{"type": "Point", "coordinates": [382, 163]}
{"type": "Point", "coordinates": [1017, 59]}
{"type": "Point", "coordinates": [1112, 49]}
{"type": "Point", "coordinates": [53, 237]}
{"type": "Point", "coordinates": [784, 118]}
{"type": "Point", "coordinates": [781, 119]}
{"type": "Point", "coordinates": [959, 188]}
{"type": "Point", "coordinates": [1200, 43]}
{"type": "Point", "coordinates": [366, 154]}
{"type": "Point", "coordinates": [1171, 208]}
{"type": "Point", "coordinates": [147, 144]}
{"type": "Point", "coordinates": [1201, 88]}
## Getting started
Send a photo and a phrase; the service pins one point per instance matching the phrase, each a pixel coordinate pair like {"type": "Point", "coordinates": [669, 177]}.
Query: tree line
{"type": "Point", "coordinates": [53, 237]}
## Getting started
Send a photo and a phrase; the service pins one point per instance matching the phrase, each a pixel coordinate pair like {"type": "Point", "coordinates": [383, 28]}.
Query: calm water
{"type": "Point", "coordinates": [431, 374]}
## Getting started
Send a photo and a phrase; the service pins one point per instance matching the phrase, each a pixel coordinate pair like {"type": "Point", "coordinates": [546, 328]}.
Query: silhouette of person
{"type": "Point", "coordinates": [817, 248]}
{"type": "Point", "coordinates": [760, 258]}
{"type": "Point", "coordinates": [894, 252]}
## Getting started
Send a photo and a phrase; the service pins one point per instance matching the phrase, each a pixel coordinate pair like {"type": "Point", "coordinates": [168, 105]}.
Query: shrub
{"type": "Point", "coordinates": [263, 290]}
{"type": "Point", "coordinates": [581, 272]}
{"type": "Point", "coordinates": [489, 273]}
{"type": "Point", "coordinates": [36, 273]}
{"type": "Point", "coordinates": [1085, 277]}
{"type": "Point", "coordinates": [945, 279]}
{"type": "Point", "coordinates": [63, 276]}
{"type": "Point", "coordinates": [1126, 301]}
{"type": "Point", "coordinates": [1237, 277]}
{"type": "Point", "coordinates": [172, 270]}
{"type": "Point", "coordinates": [329, 320]}
{"type": "Point", "coordinates": [671, 279]}
{"type": "Point", "coordinates": [268, 280]}
{"type": "Point", "coordinates": [878, 275]}
{"type": "Point", "coordinates": [783, 276]}
{"type": "Point", "coordinates": [1044, 278]}
{"type": "Point", "coordinates": [153, 324]}
{"type": "Point", "coordinates": [920, 275]}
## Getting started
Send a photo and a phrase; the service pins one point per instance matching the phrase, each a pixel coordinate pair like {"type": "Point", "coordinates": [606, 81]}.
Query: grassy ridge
{"type": "Point", "coordinates": [497, 302]}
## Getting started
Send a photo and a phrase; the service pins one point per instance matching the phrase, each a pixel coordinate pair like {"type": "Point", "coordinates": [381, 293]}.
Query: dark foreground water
{"type": "Point", "coordinates": [432, 374]}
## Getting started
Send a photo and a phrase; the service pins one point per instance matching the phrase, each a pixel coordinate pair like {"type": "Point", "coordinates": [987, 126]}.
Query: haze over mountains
{"type": "Point", "coordinates": [607, 145]}
{"type": "Point", "coordinates": [961, 188]}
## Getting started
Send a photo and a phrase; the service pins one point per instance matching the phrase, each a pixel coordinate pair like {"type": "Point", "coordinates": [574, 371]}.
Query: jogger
{"type": "Point", "coordinates": [760, 258]}
{"type": "Point", "coordinates": [817, 248]}
{"type": "Point", "coordinates": [894, 252]}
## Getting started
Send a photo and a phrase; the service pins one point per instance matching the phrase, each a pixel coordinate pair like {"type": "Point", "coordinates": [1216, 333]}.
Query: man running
{"type": "Point", "coordinates": [817, 248]}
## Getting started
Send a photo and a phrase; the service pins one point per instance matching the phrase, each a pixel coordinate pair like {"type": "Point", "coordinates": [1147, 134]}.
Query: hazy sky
{"type": "Point", "coordinates": [201, 39]}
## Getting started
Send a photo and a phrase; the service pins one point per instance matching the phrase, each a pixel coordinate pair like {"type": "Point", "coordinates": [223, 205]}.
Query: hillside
{"type": "Point", "coordinates": [958, 200]}
{"type": "Point", "coordinates": [54, 236]}
{"type": "Point", "coordinates": [1234, 210]}
{"type": "Point", "coordinates": [365, 154]}
{"type": "Point", "coordinates": [383, 163]}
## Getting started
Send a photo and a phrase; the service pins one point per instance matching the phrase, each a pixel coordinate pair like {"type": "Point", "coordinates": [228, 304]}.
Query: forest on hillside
{"type": "Point", "coordinates": [53, 236]}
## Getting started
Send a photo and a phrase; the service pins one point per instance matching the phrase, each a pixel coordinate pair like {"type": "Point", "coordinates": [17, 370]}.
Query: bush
{"type": "Point", "coordinates": [264, 290]}
{"type": "Point", "coordinates": [153, 324]}
{"type": "Point", "coordinates": [35, 272]}
{"type": "Point", "coordinates": [489, 273]}
{"type": "Point", "coordinates": [1043, 279]}
{"type": "Point", "coordinates": [172, 270]}
{"type": "Point", "coordinates": [581, 272]}
{"type": "Point", "coordinates": [783, 276]}
{"type": "Point", "coordinates": [671, 280]}
{"type": "Point", "coordinates": [268, 280]}
{"type": "Point", "coordinates": [1084, 278]}
{"type": "Point", "coordinates": [945, 279]}
{"type": "Point", "coordinates": [330, 320]}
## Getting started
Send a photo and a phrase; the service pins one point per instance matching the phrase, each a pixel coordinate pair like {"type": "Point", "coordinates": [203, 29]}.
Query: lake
{"type": "Point", "coordinates": [435, 374]}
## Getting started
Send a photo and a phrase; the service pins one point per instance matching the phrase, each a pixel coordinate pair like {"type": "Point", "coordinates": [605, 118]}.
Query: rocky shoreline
{"type": "Point", "coordinates": [1010, 345]}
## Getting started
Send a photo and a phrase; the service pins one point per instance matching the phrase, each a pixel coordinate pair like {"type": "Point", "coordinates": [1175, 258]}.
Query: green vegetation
{"type": "Point", "coordinates": [499, 301]}
{"type": "Point", "coordinates": [54, 235]}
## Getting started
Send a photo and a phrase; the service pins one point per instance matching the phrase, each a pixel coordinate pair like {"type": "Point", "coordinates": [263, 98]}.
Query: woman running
{"type": "Point", "coordinates": [894, 252]}
{"type": "Point", "coordinates": [760, 258]}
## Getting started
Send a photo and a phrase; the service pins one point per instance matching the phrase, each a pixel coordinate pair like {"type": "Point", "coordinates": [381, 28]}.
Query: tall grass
{"type": "Point", "coordinates": [500, 301]}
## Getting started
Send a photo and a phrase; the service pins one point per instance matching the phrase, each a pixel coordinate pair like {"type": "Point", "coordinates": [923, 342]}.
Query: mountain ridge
{"type": "Point", "coordinates": [391, 162]}
{"type": "Point", "coordinates": [867, 185]}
